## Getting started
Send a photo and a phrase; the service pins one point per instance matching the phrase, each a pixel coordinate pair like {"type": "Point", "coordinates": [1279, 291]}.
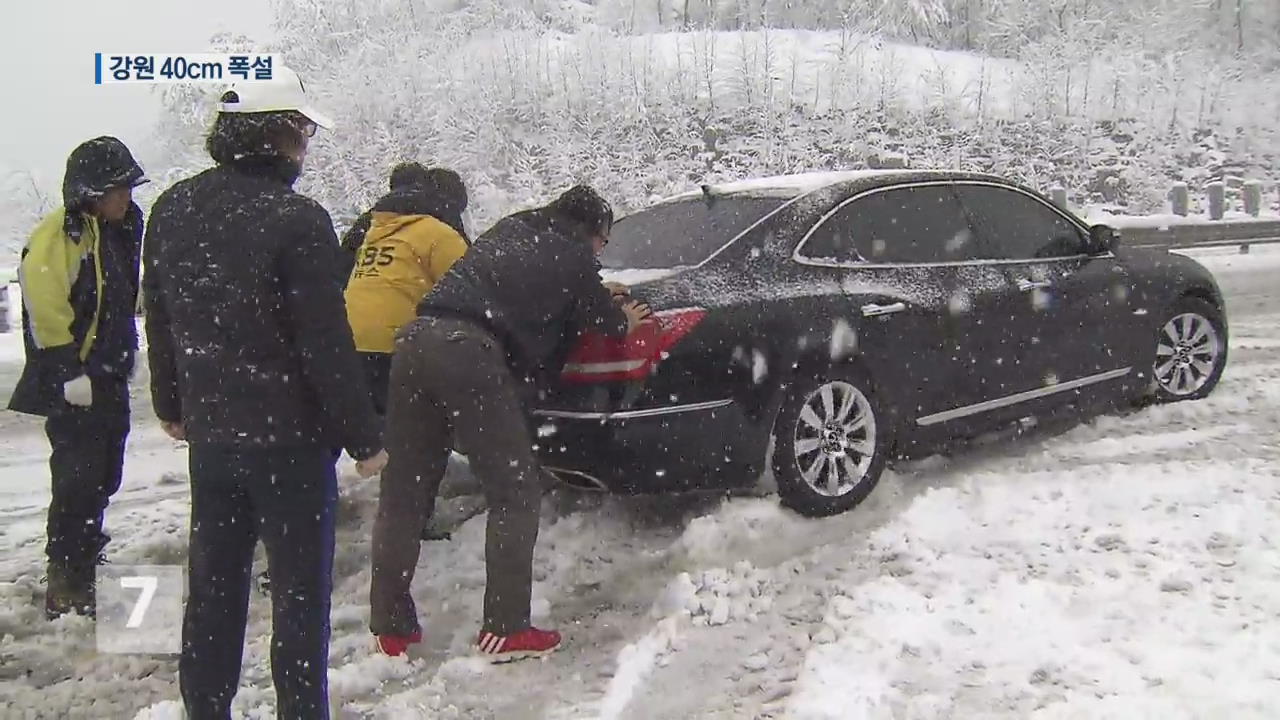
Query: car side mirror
{"type": "Point", "coordinates": [1102, 239]}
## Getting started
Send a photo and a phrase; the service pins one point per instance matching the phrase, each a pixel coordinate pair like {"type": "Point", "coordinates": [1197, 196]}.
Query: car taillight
{"type": "Point", "coordinates": [598, 358]}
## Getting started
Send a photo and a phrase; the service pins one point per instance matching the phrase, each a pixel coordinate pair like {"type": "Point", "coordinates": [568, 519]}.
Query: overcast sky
{"type": "Point", "coordinates": [47, 49]}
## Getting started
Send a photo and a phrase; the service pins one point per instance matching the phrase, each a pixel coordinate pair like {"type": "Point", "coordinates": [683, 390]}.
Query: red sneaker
{"type": "Point", "coordinates": [396, 645]}
{"type": "Point", "coordinates": [528, 643]}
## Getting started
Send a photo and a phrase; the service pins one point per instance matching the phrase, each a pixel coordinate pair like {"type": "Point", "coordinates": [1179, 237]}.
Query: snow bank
{"type": "Point", "coordinates": [1112, 589]}
{"type": "Point", "coordinates": [1165, 221]}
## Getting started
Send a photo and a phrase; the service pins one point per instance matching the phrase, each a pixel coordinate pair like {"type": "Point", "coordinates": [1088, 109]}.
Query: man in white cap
{"type": "Point", "coordinates": [253, 363]}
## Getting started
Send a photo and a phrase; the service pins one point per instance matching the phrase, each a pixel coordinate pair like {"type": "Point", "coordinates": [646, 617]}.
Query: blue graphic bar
{"type": "Point", "coordinates": [110, 68]}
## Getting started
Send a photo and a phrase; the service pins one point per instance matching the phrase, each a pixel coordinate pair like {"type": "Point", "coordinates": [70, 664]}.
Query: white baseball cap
{"type": "Point", "coordinates": [283, 92]}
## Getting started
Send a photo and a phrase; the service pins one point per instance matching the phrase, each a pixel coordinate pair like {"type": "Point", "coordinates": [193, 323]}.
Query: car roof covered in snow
{"type": "Point", "coordinates": [790, 186]}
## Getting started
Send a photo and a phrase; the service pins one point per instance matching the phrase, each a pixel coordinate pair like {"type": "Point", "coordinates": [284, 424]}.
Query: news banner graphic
{"type": "Point", "coordinates": [140, 609]}
{"type": "Point", "coordinates": [114, 68]}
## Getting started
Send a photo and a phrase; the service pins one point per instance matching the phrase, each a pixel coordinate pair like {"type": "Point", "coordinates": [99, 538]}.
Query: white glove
{"type": "Point", "coordinates": [78, 392]}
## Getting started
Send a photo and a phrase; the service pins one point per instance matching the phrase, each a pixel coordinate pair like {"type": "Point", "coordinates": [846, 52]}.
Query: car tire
{"type": "Point", "coordinates": [1191, 351]}
{"type": "Point", "coordinates": [831, 439]}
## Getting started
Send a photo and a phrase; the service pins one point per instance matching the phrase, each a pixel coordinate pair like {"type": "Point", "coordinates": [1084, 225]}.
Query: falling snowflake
{"type": "Point", "coordinates": [759, 367]}
{"type": "Point", "coordinates": [957, 242]}
{"type": "Point", "coordinates": [1040, 300]}
{"type": "Point", "coordinates": [844, 341]}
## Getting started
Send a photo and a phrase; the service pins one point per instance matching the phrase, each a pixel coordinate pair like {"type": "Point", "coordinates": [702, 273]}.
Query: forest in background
{"type": "Point", "coordinates": [1114, 100]}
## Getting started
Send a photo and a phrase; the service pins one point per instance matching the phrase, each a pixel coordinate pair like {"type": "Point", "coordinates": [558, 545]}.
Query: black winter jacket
{"type": "Point", "coordinates": [249, 342]}
{"type": "Point", "coordinates": [533, 281]}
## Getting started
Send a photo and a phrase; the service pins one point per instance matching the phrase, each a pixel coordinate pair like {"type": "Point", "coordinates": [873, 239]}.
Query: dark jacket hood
{"type": "Point", "coordinates": [94, 167]}
{"type": "Point", "coordinates": [424, 200]}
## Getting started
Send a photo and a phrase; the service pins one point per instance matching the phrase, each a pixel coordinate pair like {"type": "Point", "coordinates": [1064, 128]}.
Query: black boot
{"type": "Point", "coordinates": [70, 589]}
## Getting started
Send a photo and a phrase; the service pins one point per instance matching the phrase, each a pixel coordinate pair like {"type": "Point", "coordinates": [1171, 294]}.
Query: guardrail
{"type": "Point", "coordinates": [1213, 233]}
{"type": "Point", "coordinates": [1175, 235]}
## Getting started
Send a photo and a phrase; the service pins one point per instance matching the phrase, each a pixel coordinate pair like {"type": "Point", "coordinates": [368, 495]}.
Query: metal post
{"type": "Point", "coordinates": [1217, 200]}
{"type": "Point", "coordinates": [1058, 195]}
{"type": "Point", "coordinates": [1253, 197]}
{"type": "Point", "coordinates": [1179, 199]}
{"type": "Point", "coordinates": [4, 308]}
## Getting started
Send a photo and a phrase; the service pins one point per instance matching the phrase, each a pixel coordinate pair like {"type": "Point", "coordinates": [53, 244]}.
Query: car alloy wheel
{"type": "Point", "coordinates": [835, 439]}
{"type": "Point", "coordinates": [1188, 354]}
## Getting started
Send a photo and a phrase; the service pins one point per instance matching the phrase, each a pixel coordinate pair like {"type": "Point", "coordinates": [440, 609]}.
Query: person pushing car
{"type": "Point", "coordinates": [488, 334]}
{"type": "Point", "coordinates": [414, 236]}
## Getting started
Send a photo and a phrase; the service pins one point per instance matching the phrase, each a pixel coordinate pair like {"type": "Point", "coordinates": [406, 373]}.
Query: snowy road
{"type": "Point", "coordinates": [1123, 567]}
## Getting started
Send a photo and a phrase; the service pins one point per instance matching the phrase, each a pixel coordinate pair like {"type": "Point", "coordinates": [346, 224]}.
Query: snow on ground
{"type": "Point", "coordinates": [1165, 221]}
{"type": "Point", "coordinates": [1120, 567]}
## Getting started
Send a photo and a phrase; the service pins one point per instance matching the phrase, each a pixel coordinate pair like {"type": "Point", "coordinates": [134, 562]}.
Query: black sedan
{"type": "Point", "coordinates": [816, 324]}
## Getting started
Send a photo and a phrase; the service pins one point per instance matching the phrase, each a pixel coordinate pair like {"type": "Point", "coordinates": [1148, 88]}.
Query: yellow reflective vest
{"type": "Point", "coordinates": [51, 265]}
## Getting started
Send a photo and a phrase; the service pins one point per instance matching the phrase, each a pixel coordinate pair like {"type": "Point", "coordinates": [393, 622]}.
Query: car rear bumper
{"type": "Point", "coordinates": [673, 448]}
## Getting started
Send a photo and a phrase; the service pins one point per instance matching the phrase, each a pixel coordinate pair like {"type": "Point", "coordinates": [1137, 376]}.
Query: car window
{"type": "Point", "coordinates": [681, 233]}
{"type": "Point", "coordinates": [920, 224]}
{"type": "Point", "coordinates": [1017, 226]}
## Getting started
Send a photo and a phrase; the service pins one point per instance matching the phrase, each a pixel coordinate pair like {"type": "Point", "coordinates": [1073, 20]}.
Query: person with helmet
{"type": "Point", "coordinates": [488, 335]}
{"type": "Point", "coordinates": [415, 235]}
{"type": "Point", "coordinates": [253, 364]}
{"type": "Point", "coordinates": [404, 176]}
{"type": "Point", "coordinates": [79, 279]}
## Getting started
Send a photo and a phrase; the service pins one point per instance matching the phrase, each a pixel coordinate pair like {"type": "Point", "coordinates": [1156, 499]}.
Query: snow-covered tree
{"type": "Point", "coordinates": [646, 97]}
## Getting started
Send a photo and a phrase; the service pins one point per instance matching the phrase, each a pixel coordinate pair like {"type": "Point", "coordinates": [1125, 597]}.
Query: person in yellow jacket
{"type": "Point", "coordinates": [79, 279]}
{"type": "Point", "coordinates": [415, 235]}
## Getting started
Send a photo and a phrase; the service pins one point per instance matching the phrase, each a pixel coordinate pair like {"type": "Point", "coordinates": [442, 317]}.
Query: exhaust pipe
{"type": "Point", "coordinates": [578, 480]}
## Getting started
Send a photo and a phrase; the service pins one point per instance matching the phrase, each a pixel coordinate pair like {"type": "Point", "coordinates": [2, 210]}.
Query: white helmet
{"type": "Point", "coordinates": [281, 93]}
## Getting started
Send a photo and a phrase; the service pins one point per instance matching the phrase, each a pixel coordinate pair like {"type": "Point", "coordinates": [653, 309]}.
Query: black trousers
{"type": "Point", "coordinates": [86, 466]}
{"type": "Point", "coordinates": [450, 379]}
{"type": "Point", "coordinates": [377, 370]}
{"type": "Point", "coordinates": [287, 498]}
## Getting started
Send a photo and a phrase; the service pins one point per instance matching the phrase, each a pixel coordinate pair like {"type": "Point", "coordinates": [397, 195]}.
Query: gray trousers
{"type": "Point", "coordinates": [449, 378]}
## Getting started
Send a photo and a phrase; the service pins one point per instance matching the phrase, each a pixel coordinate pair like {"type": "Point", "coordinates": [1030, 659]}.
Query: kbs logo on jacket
{"type": "Point", "coordinates": [371, 259]}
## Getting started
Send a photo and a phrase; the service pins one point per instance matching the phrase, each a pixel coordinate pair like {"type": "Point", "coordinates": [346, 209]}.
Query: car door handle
{"type": "Point", "coordinates": [872, 309]}
{"type": "Point", "coordinates": [1026, 285]}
